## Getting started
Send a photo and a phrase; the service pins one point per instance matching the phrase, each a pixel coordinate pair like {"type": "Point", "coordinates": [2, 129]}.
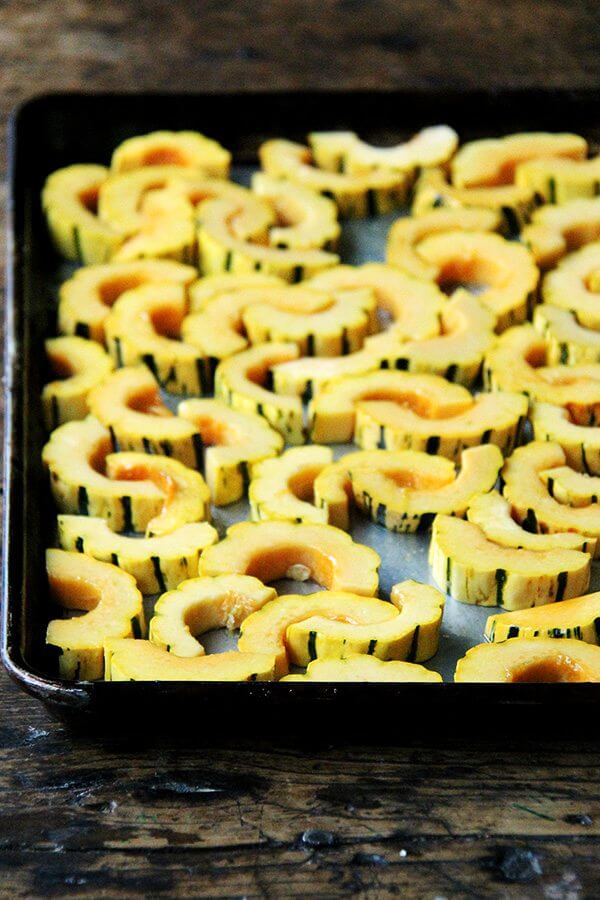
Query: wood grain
{"type": "Point", "coordinates": [459, 817]}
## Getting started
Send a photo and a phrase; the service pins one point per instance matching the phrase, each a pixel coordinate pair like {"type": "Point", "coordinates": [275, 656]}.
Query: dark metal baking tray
{"type": "Point", "coordinates": [56, 130]}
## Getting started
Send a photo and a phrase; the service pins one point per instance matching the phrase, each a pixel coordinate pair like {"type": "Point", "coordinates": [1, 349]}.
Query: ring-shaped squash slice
{"type": "Point", "coordinates": [518, 362]}
{"type": "Point", "coordinates": [580, 443]}
{"type": "Point", "coordinates": [240, 381]}
{"type": "Point", "coordinates": [505, 269]}
{"type": "Point", "coordinates": [530, 661]}
{"type": "Point", "coordinates": [406, 233]}
{"type": "Point", "coordinates": [332, 412]}
{"type": "Point", "coordinates": [167, 230]}
{"type": "Point", "coordinates": [70, 204]}
{"type": "Point", "coordinates": [531, 497]}
{"type": "Point", "coordinates": [158, 563]}
{"type": "Point", "coordinates": [233, 442]}
{"type": "Point", "coordinates": [557, 230]}
{"type": "Point", "coordinates": [305, 219]}
{"type": "Point", "coordinates": [145, 326]}
{"type": "Point", "coordinates": [570, 286]}
{"type": "Point", "coordinates": [514, 203]}
{"type": "Point", "coordinates": [557, 180]}
{"type": "Point", "coordinates": [128, 403]}
{"type": "Point", "coordinates": [493, 161]}
{"type": "Point", "coordinates": [411, 635]}
{"type": "Point", "coordinates": [489, 419]}
{"type": "Point", "coordinates": [569, 343]}
{"type": "Point", "coordinates": [406, 493]}
{"type": "Point", "coordinates": [344, 151]}
{"type": "Point", "coordinates": [282, 488]}
{"type": "Point", "coordinates": [199, 605]}
{"type": "Point", "coordinates": [85, 299]}
{"type": "Point", "coordinates": [575, 618]}
{"type": "Point", "coordinates": [272, 550]}
{"type": "Point", "coordinates": [80, 365]}
{"type": "Point", "coordinates": [112, 607]}
{"type": "Point", "coordinates": [221, 250]}
{"type": "Point", "coordinates": [360, 667]}
{"type": "Point", "coordinates": [473, 569]}
{"type": "Point", "coordinates": [174, 148]}
{"type": "Point", "coordinates": [492, 514]}
{"type": "Point", "coordinates": [144, 661]}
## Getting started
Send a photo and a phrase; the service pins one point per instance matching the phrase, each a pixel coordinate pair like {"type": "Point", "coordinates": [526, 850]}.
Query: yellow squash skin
{"type": "Point", "coordinates": [333, 485]}
{"type": "Point", "coordinates": [283, 488]}
{"type": "Point", "coordinates": [176, 148]}
{"type": "Point", "coordinates": [570, 286]}
{"type": "Point", "coordinates": [530, 661]}
{"type": "Point", "coordinates": [81, 365]}
{"type": "Point", "coordinates": [580, 443]}
{"type": "Point", "coordinates": [569, 343]}
{"type": "Point", "coordinates": [86, 298]}
{"type": "Point", "coordinates": [144, 661]}
{"type": "Point", "coordinates": [344, 151]}
{"type": "Point", "coordinates": [272, 550]}
{"type": "Point", "coordinates": [405, 494]}
{"type": "Point", "coordinates": [233, 442]}
{"type": "Point", "coordinates": [557, 230]}
{"type": "Point", "coordinates": [475, 570]}
{"type": "Point", "coordinates": [158, 563]}
{"type": "Point", "coordinates": [359, 667]}
{"type": "Point", "coordinates": [560, 180]}
{"type": "Point", "coordinates": [112, 605]}
{"type": "Point", "coordinates": [128, 403]}
{"type": "Point", "coordinates": [575, 618]}
{"type": "Point", "coordinates": [202, 604]}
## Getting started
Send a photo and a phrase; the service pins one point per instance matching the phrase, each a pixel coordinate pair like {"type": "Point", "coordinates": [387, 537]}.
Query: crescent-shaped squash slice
{"type": "Point", "coordinates": [580, 443]}
{"type": "Point", "coordinates": [489, 419]}
{"type": "Point", "coordinates": [411, 635]}
{"type": "Point", "coordinates": [144, 326]}
{"type": "Point", "coordinates": [374, 193]}
{"type": "Point", "coordinates": [167, 230]}
{"type": "Point", "coordinates": [518, 362]}
{"type": "Point", "coordinates": [221, 250]}
{"type": "Point", "coordinates": [333, 485]}
{"type": "Point", "coordinates": [76, 457]}
{"type": "Point", "coordinates": [575, 618]}
{"type": "Point", "coordinates": [569, 343]}
{"type": "Point", "coordinates": [570, 487]}
{"type": "Point", "coordinates": [557, 230]}
{"type": "Point", "coordinates": [405, 494]}
{"type": "Point", "coordinates": [272, 550]}
{"type": "Point", "coordinates": [240, 382]}
{"type": "Point", "coordinates": [144, 661]}
{"type": "Point", "coordinates": [80, 365]}
{"type": "Point", "coordinates": [557, 180]}
{"type": "Point", "coordinates": [85, 299]}
{"type": "Point", "coordinates": [343, 151]}
{"type": "Point", "coordinates": [110, 601]}
{"type": "Point", "coordinates": [305, 219]}
{"type": "Point", "coordinates": [493, 161]}
{"type": "Point", "coordinates": [172, 148]}
{"type": "Point", "coordinates": [233, 441]}
{"type": "Point", "coordinates": [70, 204]}
{"type": "Point", "coordinates": [282, 488]}
{"type": "Point", "coordinates": [514, 203]}
{"type": "Point", "coordinates": [332, 411]}
{"type": "Point", "coordinates": [531, 662]}
{"type": "Point", "coordinates": [570, 285]}
{"type": "Point", "coordinates": [406, 233]}
{"type": "Point", "coordinates": [504, 269]}
{"type": "Point", "coordinates": [492, 513]}
{"type": "Point", "coordinates": [128, 402]}
{"type": "Point", "coordinates": [210, 288]}
{"type": "Point", "coordinates": [202, 604]}
{"type": "Point", "coordinates": [530, 495]}
{"type": "Point", "coordinates": [475, 570]}
{"type": "Point", "coordinates": [359, 667]}
{"type": "Point", "coordinates": [158, 563]}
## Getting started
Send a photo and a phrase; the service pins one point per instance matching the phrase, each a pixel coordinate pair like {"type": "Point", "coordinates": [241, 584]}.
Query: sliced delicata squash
{"type": "Point", "coordinates": [305, 219]}
{"type": "Point", "coordinates": [209, 288]}
{"type": "Point", "coordinates": [80, 365]}
{"type": "Point", "coordinates": [158, 563]}
{"type": "Point", "coordinates": [333, 485]}
{"type": "Point", "coordinates": [570, 487]}
{"type": "Point", "coordinates": [173, 148]}
{"type": "Point", "coordinates": [272, 550]}
{"type": "Point", "coordinates": [282, 488]}
{"type": "Point", "coordinates": [166, 229]}
{"type": "Point", "coordinates": [345, 152]}
{"type": "Point", "coordinates": [530, 661]}
{"type": "Point", "coordinates": [575, 618]}
{"type": "Point", "coordinates": [557, 180]}
{"type": "Point", "coordinates": [232, 442]}
{"type": "Point", "coordinates": [203, 604]}
{"type": "Point", "coordinates": [571, 285]}
{"type": "Point", "coordinates": [112, 607]}
{"type": "Point", "coordinates": [360, 667]}
{"type": "Point", "coordinates": [580, 443]}
{"type": "Point", "coordinates": [569, 343]}
{"type": "Point", "coordinates": [555, 231]}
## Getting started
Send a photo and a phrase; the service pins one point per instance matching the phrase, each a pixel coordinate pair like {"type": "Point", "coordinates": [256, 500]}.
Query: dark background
{"type": "Point", "coordinates": [473, 812]}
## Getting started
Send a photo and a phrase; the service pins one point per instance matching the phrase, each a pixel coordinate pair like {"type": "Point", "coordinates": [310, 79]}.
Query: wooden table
{"type": "Point", "coordinates": [460, 816]}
